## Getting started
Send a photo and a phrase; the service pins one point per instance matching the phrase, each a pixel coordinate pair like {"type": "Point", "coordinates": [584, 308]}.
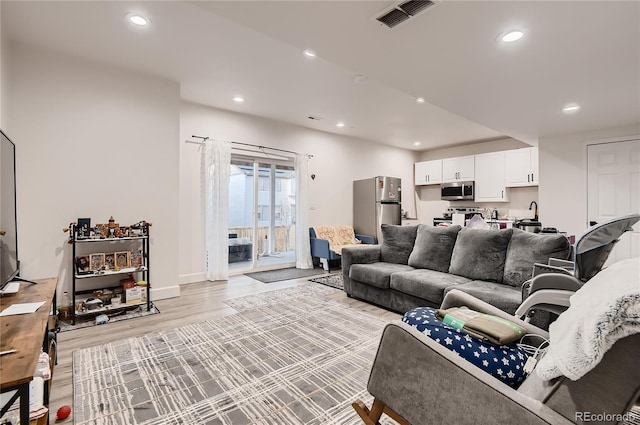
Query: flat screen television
{"type": "Point", "coordinates": [9, 265]}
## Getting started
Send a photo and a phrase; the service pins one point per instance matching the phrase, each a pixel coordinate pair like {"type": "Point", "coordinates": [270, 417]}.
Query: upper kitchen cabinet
{"type": "Point", "coordinates": [460, 168]}
{"type": "Point", "coordinates": [521, 167]}
{"type": "Point", "coordinates": [490, 178]}
{"type": "Point", "coordinates": [428, 172]}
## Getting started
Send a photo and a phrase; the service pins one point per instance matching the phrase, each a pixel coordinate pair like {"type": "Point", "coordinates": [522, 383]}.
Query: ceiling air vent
{"type": "Point", "coordinates": [401, 12]}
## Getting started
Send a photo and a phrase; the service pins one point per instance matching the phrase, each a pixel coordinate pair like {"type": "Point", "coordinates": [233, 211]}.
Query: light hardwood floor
{"type": "Point", "coordinates": [197, 302]}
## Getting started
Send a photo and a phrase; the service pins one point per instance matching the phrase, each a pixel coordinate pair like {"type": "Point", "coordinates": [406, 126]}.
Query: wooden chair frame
{"type": "Point", "coordinates": [371, 417]}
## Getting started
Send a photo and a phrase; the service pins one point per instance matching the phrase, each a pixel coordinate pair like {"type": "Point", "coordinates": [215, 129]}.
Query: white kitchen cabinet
{"type": "Point", "coordinates": [428, 172]}
{"type": "Point", "coordinates": [461, 168]}
{"type": "Point", "coordinates": [490, 177]}
{"type": "Point", "coordinates": [521, 167]}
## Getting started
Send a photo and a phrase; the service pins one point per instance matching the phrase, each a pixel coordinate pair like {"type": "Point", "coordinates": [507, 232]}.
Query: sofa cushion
{"type": "Point", "coordinates": [480, 254]}
{"type": "Point", "coordinates": [505, 297]}
{"type": "Point", "coordinates": [527, 248]}
{"type": "Point", "coordinates": [376, 274]}
{"type": "Point", "coordinates": [433, 247]}
{"type": "Point", "coordinates": [426, 284]}
{"type": "Point", "coordinates": [397, 243]}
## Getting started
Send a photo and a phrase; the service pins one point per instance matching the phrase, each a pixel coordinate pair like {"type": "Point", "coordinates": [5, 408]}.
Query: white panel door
{"type": "Point", "coordinates": [613, 179]}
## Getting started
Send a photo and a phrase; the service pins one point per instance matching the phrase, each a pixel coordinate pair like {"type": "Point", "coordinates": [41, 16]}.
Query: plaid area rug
{"type": "Point", "coordinates": [299, 362]}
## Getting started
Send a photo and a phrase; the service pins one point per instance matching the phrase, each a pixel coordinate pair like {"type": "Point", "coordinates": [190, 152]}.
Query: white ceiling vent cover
{"type": "Point", "coordinates": [402, 12]}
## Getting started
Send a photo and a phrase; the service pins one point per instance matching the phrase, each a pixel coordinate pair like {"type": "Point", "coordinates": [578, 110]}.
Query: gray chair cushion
{"type": "Point", "coordinates": [376, 274]}
{"type": "Point", "coordinates": [397, 243]}
{"type": "Point", "coordinates": [527, 248]}
{"type": "Point", "coordinates": [433, 247]}
{"type": "Point", "coordinates": [425, 284]}
{"type": "Point", "coordinates": [480, 254]}
{"type": "Point", "coordinates": [506, 298]}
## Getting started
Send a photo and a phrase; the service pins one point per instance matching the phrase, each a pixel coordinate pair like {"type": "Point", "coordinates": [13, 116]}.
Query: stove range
{"type": "Point", "coordinates": [468, 212]}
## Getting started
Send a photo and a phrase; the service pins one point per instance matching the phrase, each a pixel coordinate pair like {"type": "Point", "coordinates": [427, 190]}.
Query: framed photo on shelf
{"type": "Point", "coordinates": [135, 259]}
{"type": "Point", "coordinates": [110, 261]}
{"type": "Point", "coordinates": [122, 260]}
{"type": "Point", "coordinates": [102, 230]}
{"type": "Point", "coordinates": [123, 232]}
{"type": "Point", "coordinates": [96, 262]}
{"type": "Point", "coordinates": [83, 228]}
{"type": "Point", "coordinates": [83, 265]}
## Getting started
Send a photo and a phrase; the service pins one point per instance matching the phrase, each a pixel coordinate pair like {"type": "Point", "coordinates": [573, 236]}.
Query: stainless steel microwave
{"type": "Point", "coordinates": [457, 191]}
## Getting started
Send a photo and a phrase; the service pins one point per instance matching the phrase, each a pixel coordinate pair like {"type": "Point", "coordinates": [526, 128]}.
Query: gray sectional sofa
{"type": "Point", "coordinates": [418, 265]}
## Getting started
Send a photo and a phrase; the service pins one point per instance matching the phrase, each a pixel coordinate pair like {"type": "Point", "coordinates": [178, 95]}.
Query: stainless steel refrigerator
{"type": "Point", "coordinates": [376, 201]}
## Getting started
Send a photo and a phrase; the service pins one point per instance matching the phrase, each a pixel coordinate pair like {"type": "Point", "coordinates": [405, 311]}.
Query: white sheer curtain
{"type": "Point", "coordinates": [216, 162]}
{"type": "Point", "coordinates": [303, 250]}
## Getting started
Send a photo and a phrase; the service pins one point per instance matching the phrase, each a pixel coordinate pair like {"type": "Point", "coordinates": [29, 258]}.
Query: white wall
{"type": "Point", "coordinates": [4, 48]}
{"type": "Point", "coordinates": [336, 163]}
{"type": "Point", "coordinates": [429, 203]}
{"type": "Point", "coordinates": [92, 141]}
{"type": "Point", "coordinates": [563, 176]}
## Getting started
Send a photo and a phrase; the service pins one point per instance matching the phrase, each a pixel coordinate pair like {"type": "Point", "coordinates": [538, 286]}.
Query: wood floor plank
{"type": "Point", "coordinates": [197, 302]}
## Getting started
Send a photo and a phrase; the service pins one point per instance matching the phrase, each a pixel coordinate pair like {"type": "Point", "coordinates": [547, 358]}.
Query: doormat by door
{"type": "Point", "coordinates": [271, 276]}
{"type": "Point", "coordinates": [114, 316]}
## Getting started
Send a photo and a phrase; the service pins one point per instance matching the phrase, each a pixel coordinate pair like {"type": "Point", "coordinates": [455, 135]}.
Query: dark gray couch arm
{"type": "Point", "coordinates": [427, 384]}
{"type": "Point", "coordinates": [364, 254]}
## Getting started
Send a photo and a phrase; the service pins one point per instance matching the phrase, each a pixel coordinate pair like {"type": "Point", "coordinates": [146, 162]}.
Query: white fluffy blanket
{"type": "Point", "coordinates": [604, 310]}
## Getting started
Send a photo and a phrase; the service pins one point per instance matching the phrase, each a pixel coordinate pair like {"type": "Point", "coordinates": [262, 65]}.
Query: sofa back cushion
{"type": "Point", "coordinates": [433, 247]}
{"type": "Point", "coordinates": [527, 248]}
{"type": "Point", "coordinates": [397, 243]}
{"type": "Point", "coordinates": [480, 254]}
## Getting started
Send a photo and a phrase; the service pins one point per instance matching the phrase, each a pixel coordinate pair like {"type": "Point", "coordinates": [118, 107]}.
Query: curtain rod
{"type": "Point", "coordinates": [205, 138]}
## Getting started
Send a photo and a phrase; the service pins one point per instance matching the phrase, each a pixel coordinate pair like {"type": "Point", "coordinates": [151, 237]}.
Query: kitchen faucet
{"type": "Point", "coordinates": [535, 213]}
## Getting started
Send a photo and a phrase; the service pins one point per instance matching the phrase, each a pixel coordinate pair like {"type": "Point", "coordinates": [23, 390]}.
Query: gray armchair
{"type": "Point", "coordinates": [417, 381]}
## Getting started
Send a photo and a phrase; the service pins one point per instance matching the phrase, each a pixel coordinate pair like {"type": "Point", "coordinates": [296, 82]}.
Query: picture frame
{"type": "Point", "coordinates": [83, 228]}
{"type": "Point", "coordinates": [102, 230]}
{"type": "Point", "coordinates": [123, 232]}
{"type": "Point", "coordinates": [122, 260]}
{"type": "Point", "coordinates": [96, 262]}
{"type": "Point", "coordinates": [83, 264]}
{"type": "Point", "coordinates": [135, 259]}
{"type": "Point", "coordinates": [110, 261]}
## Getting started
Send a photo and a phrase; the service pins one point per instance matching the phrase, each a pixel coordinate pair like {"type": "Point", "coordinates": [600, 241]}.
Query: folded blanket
{"type": "Point", "coordinates": [482, 326]}
{"type": "Point", "coordinates": [604, 310]}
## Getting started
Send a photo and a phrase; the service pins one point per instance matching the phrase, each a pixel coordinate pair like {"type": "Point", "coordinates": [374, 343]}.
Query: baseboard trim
{"type": "Point", "coordinates": [166, 292]}
{"type": "Point", "coordinates": [191, 278]}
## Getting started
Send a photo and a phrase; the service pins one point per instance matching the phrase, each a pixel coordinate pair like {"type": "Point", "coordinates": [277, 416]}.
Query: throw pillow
{"type": "Point", "coordinates": [480, 254]}
{"type": "Point", "coordinates": [397, 243]}
{"type": "Point", "coordinates": [526, 248]}
{"type": "Point", "coordinates": [433, 247]}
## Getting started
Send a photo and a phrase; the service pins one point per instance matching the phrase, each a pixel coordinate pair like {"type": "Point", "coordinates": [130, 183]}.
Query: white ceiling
{"type": "Point", "coordinates": [476, 88]}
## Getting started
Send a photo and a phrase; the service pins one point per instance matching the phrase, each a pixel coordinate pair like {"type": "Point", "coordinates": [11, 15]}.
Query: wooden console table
{"type": "Point", "coordinates": [27, 334]}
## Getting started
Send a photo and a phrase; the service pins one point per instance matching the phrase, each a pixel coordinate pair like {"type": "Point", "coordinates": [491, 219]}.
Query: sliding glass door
{"type": "Point", "coordinates": [261, 214]}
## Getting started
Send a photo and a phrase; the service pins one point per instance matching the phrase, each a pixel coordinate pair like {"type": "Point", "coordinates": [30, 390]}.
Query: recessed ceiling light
{"type": "Point", "coordinates": [420, 99]}
{"type": "Point", "coordinates": [309, 53]}
{"type": "Point", "coordinates": [340, 124]}
{"type": "Point", "coordinates": [417, 143]}
{"type": "Point", "coordinates": [569, 109]}
{"type": "Point", "coordinates": [511, 36]}
{"type": "Point", "coordinates": [238, 99]}
{"type": "Point", "coordinates": [139, 20]}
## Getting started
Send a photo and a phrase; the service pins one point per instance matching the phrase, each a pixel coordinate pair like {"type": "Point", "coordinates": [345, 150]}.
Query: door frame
{"type": "Point", "coordinates": [256, 160]}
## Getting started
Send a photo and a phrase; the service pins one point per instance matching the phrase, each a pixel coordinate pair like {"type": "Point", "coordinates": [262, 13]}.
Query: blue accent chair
{"type": "Point", "coordinates": [320, 248]}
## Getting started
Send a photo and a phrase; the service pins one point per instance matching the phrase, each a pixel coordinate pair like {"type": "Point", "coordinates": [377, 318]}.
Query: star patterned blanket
{"type": "Point", "coordinates": [505, 362]}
